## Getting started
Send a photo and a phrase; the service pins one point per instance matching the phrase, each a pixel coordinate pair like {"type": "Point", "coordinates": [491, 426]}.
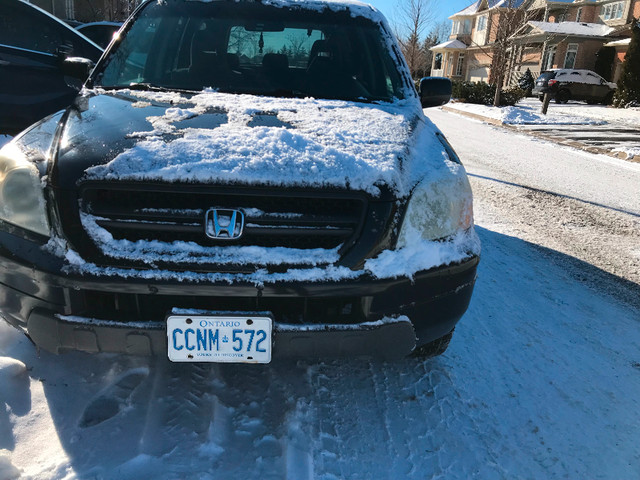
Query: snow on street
{"type": "Point", "coordinates": [542, 379]}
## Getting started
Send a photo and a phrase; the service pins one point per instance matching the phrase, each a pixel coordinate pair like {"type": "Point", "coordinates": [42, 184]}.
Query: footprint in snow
{"type": "Point", "coordinates": [113, 399]}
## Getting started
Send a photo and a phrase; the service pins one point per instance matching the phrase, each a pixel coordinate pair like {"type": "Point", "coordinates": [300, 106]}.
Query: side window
{"type": "Point", "coordinates": [25, 27]}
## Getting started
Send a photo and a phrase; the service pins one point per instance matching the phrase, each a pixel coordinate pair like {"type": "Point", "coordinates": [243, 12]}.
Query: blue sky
{"type": "Point", "coordinates": [444, 8]}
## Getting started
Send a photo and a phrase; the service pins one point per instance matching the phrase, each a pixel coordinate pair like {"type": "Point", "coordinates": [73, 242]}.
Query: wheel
{"type": "Point", "coordinates": [608, 98]}
{"type": "Point", "coordinates": [435, 348]}
{"type": "Point", "coordinates": [563, 96]}
{"type": "Point", "coordinates": [591, 101]}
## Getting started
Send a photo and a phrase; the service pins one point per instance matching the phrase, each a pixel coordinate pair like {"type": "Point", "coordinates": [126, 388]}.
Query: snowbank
{"type": "Point", "coordinates": [526, 114]}
{"type": "Point", "coordinates": [527, 111]}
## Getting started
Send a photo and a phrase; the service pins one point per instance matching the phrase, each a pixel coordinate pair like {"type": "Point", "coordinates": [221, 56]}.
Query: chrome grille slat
{"type": "Point", "coordinates": [273, 217]}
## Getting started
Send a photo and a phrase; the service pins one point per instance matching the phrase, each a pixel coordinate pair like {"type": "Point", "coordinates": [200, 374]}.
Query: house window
{"type": "Point", "coordinates": [612, 11]}
{"type": "Point", "coordinates": [619, 12]}
{"type": "Point", "coordinates": [570, 57]}
{"type": "Point", "coordinates": [437, 62]}
{"type": "Point", "coordinates": [482, 23]}
{"type": "Point", "coordinates": [579, 14]}
{"type": "Point", "coordinates": [449, 64]}
{"type": "Point", "coordinates": [467, 26]}
{"type": "Point", "coordinates": [455, 28]}
{"type": "Point", "coordinates": [460, 62]}
{"type": "Point", "coordinates": [547, 59]}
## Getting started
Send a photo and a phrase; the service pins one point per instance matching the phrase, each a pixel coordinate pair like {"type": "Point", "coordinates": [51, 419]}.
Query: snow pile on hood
{"type": "Point", "coordinates": [278, 142]}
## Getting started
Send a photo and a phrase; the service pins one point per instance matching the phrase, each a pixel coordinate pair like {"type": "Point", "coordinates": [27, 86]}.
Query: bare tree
{"type": "Point", "coordinates": [416, 15]}
{"type": "Point", "coordinates": [510, 19]}
{"type": "Point", "coordinates": [505, 21]}
{"type": "Point", "coordinates": [114, 10]}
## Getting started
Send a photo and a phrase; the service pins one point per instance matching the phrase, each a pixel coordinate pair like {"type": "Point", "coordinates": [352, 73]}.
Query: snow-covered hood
{"type": "Point", "coordinates": [223, 138]}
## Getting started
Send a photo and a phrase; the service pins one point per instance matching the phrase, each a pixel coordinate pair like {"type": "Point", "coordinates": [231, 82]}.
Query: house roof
{"type": "Point", "coordinates": [450, 45]}
{"type": "Point", "coordinates": [571, 28]}
{"type": "Point", "coordinates": [475, 6]}
{"type": "Point", "coordinates": [618, 43]}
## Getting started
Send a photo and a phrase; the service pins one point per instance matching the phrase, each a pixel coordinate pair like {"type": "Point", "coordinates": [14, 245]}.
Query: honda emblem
{"type": "Point", "coordinates": [224, 224]}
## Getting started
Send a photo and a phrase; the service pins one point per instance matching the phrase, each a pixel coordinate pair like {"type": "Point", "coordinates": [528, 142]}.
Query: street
{"type": "Point", "coordinates": [582, 205]}
{"type": "Point", "coordinates": [541, 381]}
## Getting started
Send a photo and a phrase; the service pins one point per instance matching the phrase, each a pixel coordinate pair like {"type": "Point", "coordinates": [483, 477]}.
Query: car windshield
{"type": "Point", "coordinates": [547, 75]}
{"type": "Point", "coordinates": [247, 47]}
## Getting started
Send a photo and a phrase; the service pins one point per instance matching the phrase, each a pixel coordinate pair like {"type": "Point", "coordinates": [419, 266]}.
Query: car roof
{"type": "Point", "coordinates": [356, 7]}
{"type": "Point", "coordinates": [65, 25]}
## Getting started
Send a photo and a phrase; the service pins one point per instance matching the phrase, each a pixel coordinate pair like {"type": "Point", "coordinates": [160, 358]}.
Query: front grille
{"type": "Point", "coordinates": [126, 307]}
{"type": "Point", "coordinates": [273, 217]}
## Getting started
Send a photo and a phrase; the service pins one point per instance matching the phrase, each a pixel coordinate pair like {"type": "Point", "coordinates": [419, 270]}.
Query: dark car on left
{"type": "Point", "coordinates": [33, 48]}
{"type": "Point", "coordinates": [100, 32]}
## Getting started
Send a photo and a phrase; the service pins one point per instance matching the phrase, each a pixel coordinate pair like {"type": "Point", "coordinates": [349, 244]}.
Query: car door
{"type": "Point", "coordinates": [32, 46]}
{"type": "Point", "coordinates": [599, 88]}
{"type": "Point", "coordinates": [577, 86]}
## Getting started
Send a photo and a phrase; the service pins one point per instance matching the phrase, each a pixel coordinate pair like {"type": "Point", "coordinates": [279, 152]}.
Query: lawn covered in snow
{"type": "Point", "coordinates": [528, 112]}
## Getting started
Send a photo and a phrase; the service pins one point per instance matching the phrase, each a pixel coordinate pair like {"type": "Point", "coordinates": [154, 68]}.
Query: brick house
{"type": "Point", "coordinates": [467, 55]}
{"type": "Point", "coordinates": [553, 34]}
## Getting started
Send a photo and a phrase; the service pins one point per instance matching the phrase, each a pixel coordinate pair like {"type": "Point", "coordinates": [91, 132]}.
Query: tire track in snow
{"type": "Point", "coordinates": [179, 412]}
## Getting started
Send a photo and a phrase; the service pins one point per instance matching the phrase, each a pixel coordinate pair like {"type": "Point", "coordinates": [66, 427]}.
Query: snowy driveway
{"type": "Point", "coordinates": [542, 379]}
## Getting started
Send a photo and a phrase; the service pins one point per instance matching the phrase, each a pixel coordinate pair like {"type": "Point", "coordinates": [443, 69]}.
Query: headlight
{"type": "Point", "coordinates": [439, 207]}
{"type": "Point", "coordinates": [21, 196]}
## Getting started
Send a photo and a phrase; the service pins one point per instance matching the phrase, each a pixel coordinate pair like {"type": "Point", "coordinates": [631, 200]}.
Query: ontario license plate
{"type": "Point", "coordinates": [204, 338]}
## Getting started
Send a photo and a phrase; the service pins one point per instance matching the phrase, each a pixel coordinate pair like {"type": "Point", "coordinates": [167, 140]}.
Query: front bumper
{"type": "Point", "coordinates": [95, 313]}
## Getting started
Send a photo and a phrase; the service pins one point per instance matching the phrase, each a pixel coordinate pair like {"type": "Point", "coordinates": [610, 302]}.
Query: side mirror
{"type": "Point", "coordinates": [76, 70]}
{"type": "Point", "coordinates": [435, 91]}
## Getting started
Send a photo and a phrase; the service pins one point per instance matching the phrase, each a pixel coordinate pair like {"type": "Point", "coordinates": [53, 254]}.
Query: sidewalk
{"type": "Point", "coordinates": [594, 128]}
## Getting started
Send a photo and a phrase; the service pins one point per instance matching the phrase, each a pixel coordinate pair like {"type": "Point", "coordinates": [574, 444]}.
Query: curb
{"type": "Point", "coordinates": [543, 136]}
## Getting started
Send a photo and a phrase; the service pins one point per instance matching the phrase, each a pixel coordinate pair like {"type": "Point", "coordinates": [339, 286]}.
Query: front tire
{"type": "Point", "coordinates": [434, 348]}
{"type": "Point", "coordinates": [607, 99]}
{"type": "Point", "coordinates": [563, 96]}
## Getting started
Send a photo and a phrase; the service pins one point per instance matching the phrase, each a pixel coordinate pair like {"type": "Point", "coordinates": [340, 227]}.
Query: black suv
{"type": "Point", "coordinates": [569, 84]}
{"type": "Point", "coordinates": [33, 47]}
{"type": "Point", "coordinates": [239, 180]}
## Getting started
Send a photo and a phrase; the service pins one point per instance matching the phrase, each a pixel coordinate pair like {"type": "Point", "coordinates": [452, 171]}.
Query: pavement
{"type": "Point", "coordinates": [595, 129]}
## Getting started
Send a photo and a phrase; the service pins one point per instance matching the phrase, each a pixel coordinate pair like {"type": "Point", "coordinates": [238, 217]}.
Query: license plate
{"type": "Point", "coordinates": [225, 339]}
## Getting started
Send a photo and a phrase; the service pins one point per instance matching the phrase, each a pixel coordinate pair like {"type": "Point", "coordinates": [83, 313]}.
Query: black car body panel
{"type": "Point", "coordinates": [33, 45]}
{"type": "Point", "coordinates": [100, 32]}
